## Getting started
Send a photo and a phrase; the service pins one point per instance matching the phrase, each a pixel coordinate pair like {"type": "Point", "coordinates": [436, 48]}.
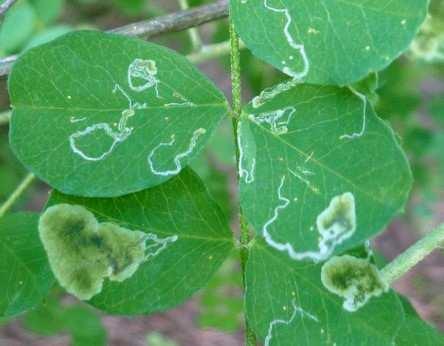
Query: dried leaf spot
{"type": "Point", "coordinates": [127, 248]}
{"type": "Point", "coordinates": [354, 279]}
{"type": "Point", "coordinates": [338, 221]}
{"type": "Point", "coordinates": [82, 252]}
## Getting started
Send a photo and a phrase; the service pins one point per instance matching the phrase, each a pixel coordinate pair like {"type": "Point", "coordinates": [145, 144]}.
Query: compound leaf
{"type": "Point", "coordinates": [109, 115]}
{"type": "Point", "coordinates": [191, 240]}
{"type": "Point", "coordinates": [319, 170]}
{"type": "Point", "coordinates": [328, 42]}
{"type": "Point", "coordinates": [24, 270]}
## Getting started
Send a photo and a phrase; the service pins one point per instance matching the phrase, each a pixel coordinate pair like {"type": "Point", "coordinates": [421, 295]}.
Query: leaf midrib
{"type": "Point", "coordinates": [321, 165]}
{"type": "Point", "coordinates": [120, 109]}
{"type": "Point", "coordinates": [159, 231]}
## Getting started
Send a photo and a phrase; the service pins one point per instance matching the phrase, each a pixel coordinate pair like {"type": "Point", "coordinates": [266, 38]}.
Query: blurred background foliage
{"type": "Point", "coordinates": [409, 94]}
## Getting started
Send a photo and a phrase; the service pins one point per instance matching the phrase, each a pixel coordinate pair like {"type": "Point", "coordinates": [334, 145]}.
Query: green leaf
{"type": "Point", "coordinates": [47, 10]}
{"type": "Point", "coordinates": [436, 109]}
{"type": "Point", "coordinates": [416, 332]}
{"type": "Point", "coordinates": [320, 172]}
{"type": "Point", "coordinates": [180, 208]}
{"type": "Point", "coordinates": [328, 42]}
{"type": "Point", "coordinates": [47, 318]}
{"type": "Point", "coordinates": [48, 35]}
{"type": "Point", "coordinates": [11, 171]}
{"type": "Point", "coordinates": [85, 327]}
{"type": "Point", "coordinates": [110, 115]}
{"type": "Point", "coordinates": [131, 7]}
{"type": "Point", "coordinates": [11, 36]}
{"type": "Point", "coordinates": [24, 270]}
{"type": "Point", "coordinates": [221, 305]}
{"type": "Point", "coordinates": [82, 323]}
{"type": "Point", "coordinates": [296, 308]}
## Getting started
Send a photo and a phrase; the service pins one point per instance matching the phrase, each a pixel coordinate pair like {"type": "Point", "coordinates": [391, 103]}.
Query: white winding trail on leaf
{"type": "Point", "coordinates": [119, 136]}
{"type": "Point", "coordinates": [138, 69]}
{"type": "Point", "coordinates": [330, 237]}
{"type": "Point", "coordinates": [296, 311]}
{"type": "Point", "coordinates": [292, 42]}
{"type": "Point", "coordinates": [278, 119]}
{"type": "Point", "coordinates": [177, 159]}
{"type": "Point", "coordinates": [145, 70]}
{"type": "Point", "coordinates": [364, 117]}
{"type": "Point", "coordinates": [123, 131]}
{"type": "Point", "coordinates": [160, 243]}
{"type": "Point", "coordinates": [247, 173]}
{"type": "Point", "coordinates": [270, 93]}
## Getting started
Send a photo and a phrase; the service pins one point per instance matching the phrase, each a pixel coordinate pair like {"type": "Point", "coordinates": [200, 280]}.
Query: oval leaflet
{"type": "Point", "coordinates": [90, 123]}
{"type": "Point", "coordinates": [328, 42]}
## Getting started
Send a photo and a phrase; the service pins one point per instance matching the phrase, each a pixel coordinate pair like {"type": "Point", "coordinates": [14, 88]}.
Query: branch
{"type": "Point", "coordinates": [173, 22]}
{"type": "Point", "coordinates": [6, 5]}
{"type": "Point", "coordinates": [6, 64]}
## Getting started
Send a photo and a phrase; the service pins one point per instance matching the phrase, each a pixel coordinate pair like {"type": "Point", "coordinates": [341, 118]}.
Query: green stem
{"type": "Point", "coordinates": [250, 337]}
{"type": "Point", "coordinates": [236, 86]}
{"type": "Point", "coordinates": [413, 255]}
{"type": "Point", "coordinates": [16, 194]}
{"type": "Point", "coordinates": [212, 51]}
{"type": "Point", "coordinates": [193, 33]}
{"type": "Point", "coordinates": [4, 117]}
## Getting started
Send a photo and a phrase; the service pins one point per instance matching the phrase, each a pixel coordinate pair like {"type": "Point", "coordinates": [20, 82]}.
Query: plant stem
{"type": "Point", "coordinates": [16, 194]}
{"type": "Point", "coordinates": [236, 86]}
{"type": "Point", "coordinates": [174, 22]}
{"type": "Point", "coordinates": [413, 255]}
{"type": "Point", "coordinates": [212, 51]}
{"type": "Point", "coordinates": [193, 33]}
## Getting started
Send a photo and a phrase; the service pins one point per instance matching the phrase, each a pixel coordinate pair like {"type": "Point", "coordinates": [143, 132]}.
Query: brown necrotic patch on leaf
{"type": "Point", "coordinates": [355, 279]}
